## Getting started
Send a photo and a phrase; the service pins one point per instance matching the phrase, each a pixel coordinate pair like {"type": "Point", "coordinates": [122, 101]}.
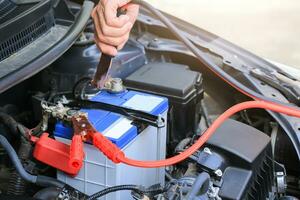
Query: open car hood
{"type": "Point", "coordinates": [34, 38]}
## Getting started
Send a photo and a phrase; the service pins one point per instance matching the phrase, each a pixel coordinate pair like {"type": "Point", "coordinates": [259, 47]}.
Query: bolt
{"type": "Point", "coordinates": [219, 172]}
{"type": "Point", "coordinates": [72, 112]}
{"type": "Point", "coordinates": [115, 85]}
{"type": "Point", "coordinates": [153, 43]}
{"type": "Point", "coordinates": [117, 81]}
{"type": "Point", "coordinates": [107, 85]}
{"type": "Point", "coordinates": [279, 173]}
{"type": "Point", "coordinates": [78, 119]}
{"type": "Point", "coordinates": [83, 133]}
{"type": "Point", "coordinates": [160, 121]}
{"type": "Point", "coordinates": [207, 150]}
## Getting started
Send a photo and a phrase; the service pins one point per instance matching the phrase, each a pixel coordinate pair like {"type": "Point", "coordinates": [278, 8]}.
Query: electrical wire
{"type": "Point", "coordinates": [135, 188]}
{"type": "Point", "coordinates": [209, 132]}
{"type": "Point", "coordinates": [113, 189]}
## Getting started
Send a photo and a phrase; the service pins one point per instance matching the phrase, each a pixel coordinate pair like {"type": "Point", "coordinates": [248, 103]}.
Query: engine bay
{"type": "Point", "coordinates": [237, 153]}
{"type": "Point", "coordinates": [68, 140]}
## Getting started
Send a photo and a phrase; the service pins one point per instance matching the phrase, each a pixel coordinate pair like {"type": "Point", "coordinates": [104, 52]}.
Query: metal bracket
{"type": "Point", "coordinates": [134, 115]}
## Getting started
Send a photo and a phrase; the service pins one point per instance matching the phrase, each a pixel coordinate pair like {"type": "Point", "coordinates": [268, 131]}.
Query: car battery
{"type": "Point", "coordinates": [98, 172]}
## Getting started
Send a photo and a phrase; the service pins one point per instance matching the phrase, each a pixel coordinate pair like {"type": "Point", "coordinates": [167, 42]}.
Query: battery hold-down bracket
{"type": "Point", "coordinates": [136, 116]}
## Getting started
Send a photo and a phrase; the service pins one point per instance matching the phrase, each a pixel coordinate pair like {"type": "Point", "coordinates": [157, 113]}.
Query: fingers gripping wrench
{"type": "Point", "coordinates": [104, 67]}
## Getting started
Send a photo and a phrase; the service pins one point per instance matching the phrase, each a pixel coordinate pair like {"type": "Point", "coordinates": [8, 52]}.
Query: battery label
{"type": "Point", "coordinates": [118, 129]}
{"type": "Point", "coordinates": [143, 102]}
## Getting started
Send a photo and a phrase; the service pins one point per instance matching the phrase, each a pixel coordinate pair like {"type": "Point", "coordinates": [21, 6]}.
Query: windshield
{"type": "Point", "coordinates": [268, 28]}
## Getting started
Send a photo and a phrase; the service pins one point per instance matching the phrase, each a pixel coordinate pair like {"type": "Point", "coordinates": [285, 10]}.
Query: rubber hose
{"type": "Point", "coordinates": [46, 181]}
{"type": "Point", "coordinates": [15, 160]}
{"type": "Point", "coordinates": [50, 193]}
{"type": "Point", "coordinates": [10, 122]}
{"type": "Point", "coordinates": [200, 187]}
{"type": "Point", "coordinates": [17, 185]}
{"type": "Point", "coordinates": [39, 180]}
{"type": "Point", "coordinates": [14, 127]}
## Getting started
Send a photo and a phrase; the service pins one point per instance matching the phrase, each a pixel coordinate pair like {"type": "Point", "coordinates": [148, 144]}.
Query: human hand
{"type": "Point", "coordinates": [112, 32]}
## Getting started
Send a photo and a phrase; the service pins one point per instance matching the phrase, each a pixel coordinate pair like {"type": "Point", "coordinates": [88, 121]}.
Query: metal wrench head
{"type": "Point", "coordinates": [103, 71]}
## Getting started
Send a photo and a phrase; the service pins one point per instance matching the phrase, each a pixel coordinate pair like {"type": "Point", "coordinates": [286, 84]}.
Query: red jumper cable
{"type": "Point", "coordinates": [260, 101]}
{"type": "Point", "coordinates": [86, 132]}
{"type": "Point", "coordinates": [120, 157]}
{"type": "Point", "coordinates": [69, 158]}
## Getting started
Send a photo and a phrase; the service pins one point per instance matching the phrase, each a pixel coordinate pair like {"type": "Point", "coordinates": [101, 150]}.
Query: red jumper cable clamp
{"type": "Point", "coordinates": [69, 158]}
{"type": "Point", "coordinates": [90, 134]}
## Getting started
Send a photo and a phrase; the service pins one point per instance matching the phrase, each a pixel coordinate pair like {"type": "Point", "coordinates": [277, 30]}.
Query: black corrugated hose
{"type": "Point", "coordinates": [17, 185]}
{"type": "Point", "coordinates": [9, 122]}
